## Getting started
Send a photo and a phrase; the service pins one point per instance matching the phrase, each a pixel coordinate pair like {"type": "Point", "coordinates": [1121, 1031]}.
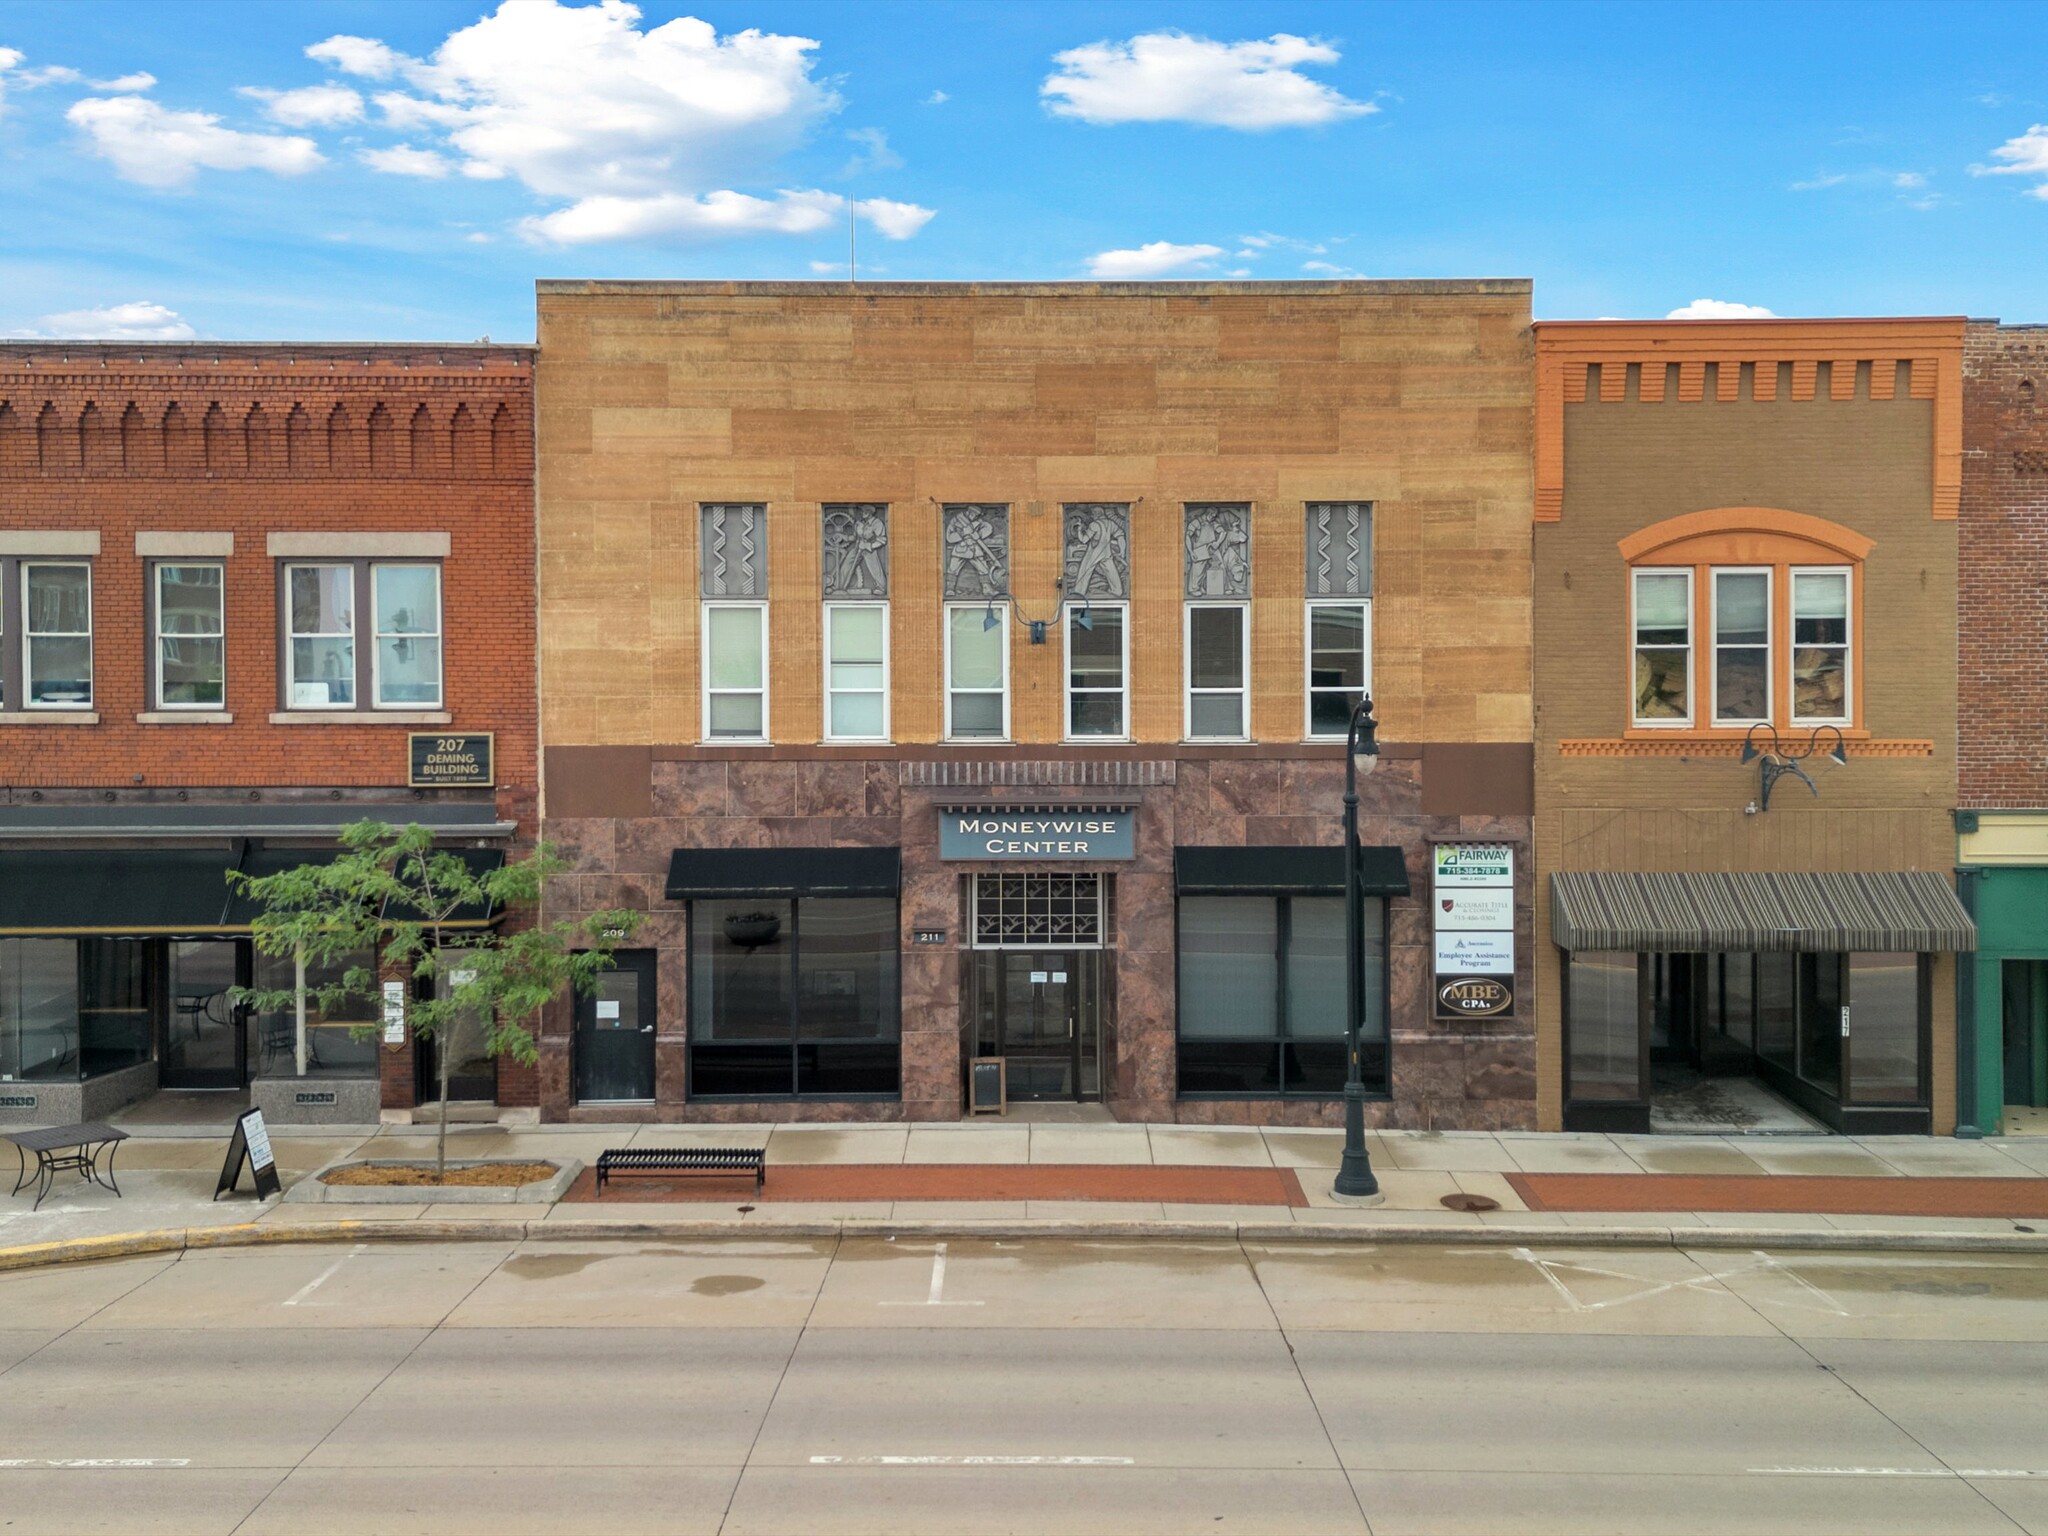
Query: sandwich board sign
{"type": "Point", "coordinates": [250, 1144]}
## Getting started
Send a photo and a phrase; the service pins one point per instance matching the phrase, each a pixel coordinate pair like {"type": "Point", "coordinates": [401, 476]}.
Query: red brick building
{"type": "Point", "coordinates": [2002, 695]}
{"type": "Point", "coordinates": [242, 588]}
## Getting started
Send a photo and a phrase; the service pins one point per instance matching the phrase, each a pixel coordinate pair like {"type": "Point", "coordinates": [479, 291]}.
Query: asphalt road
{"type": "Point", "coordinates": [878, 1387]}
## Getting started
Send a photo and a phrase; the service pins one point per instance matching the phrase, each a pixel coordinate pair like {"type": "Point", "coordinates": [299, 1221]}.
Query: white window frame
{"type": "Point", "coordinates": [1692, 649]}
{"type": "Point", "coordinates": [158, 637]}
{"type": "Point", "coordinates": [1848, 575]}
{"type": "Point", "coordinates": [1716, 646]}
{"type": "Point", "coordinates": [1002, 632]}
{"type": "Point", "coordinates": [832, 611]}
{"type": "Point", "coordinates": [1243, 690]}
{"type": "Point", "coordinates": [1068, 615]}
{"type": "Point", "coordinates": [438, 636]}
{"type": "Point", "coordinates": [29, 636]}
{"type": "Point", "coordinates": [1308, 660]}
{"type": "Point", "coordinates": [706, 691]}
{"type": "Point", "coordinates": [291, 635]}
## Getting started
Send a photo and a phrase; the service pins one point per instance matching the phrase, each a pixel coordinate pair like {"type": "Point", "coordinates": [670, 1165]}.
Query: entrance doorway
{"type": "Point", "coordinates": [203, 1029]}
{"type": "Point", "coordinates": [1040, 1010]}
{"type": "Point", "coordinates": [614, 1054]}
{"type": "Point", "coordinates": [2025, 1007]}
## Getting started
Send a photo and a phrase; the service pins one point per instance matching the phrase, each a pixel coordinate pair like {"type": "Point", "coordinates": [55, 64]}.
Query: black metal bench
{"type": "Point", "coordinates": [683, 1160]}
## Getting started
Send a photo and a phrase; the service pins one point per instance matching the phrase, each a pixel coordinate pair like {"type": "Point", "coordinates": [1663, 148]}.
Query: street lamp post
{"type": "Point", "coordinates": [1355, 1179]}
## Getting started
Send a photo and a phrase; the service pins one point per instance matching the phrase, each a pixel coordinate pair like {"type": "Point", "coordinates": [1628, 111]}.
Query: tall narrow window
{"type": "Point", "coordinates": [1339, 664]}
{"type": "Point", "coordinates": [408, 657]}
{"type": "Point", "coordinates": [1663, 647]}
{"type": "Point", "coordinates": [856, 671]}
{"type": "Point", "coordinates": [57, 634]}
{"type": "Point", "coordinates": [735, 672]}
{"type": "Point", "coordinates": [1820, 646]}
{"type": "Point", "coordinates": [1097, 672]}
{"type": "Point", "coordinates": [1217, 665]}
{"type": "Point", "coordinates": [977, 673]}
{"type": "Point", "coordinates": [191, 646]}
{"type": "Point", "coordinates": [320, 667]}
{"type": "Point", "coordinates": [1742, 646]}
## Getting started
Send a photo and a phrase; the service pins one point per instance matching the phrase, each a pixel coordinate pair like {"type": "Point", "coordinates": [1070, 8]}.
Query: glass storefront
{"type": "Point", "coordinates": [71, 1009]}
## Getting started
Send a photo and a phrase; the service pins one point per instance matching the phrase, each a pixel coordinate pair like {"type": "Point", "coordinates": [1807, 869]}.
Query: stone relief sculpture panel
{"type": "Point", "coordinates": [1340, 549]}
{"type": "Point", "coordinates": [856, 549]}
{"type": "Point", "coordinates": [1098, 549]}
{"type": "Point", "coordinates": [734, 549]}
{"type": "Point", "coordinates": [976, 550]}
{"type": "Point", "coordinates": [1217, 544]}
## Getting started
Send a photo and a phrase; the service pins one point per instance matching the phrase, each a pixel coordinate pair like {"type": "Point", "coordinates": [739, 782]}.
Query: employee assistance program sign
{"type": "Point", "coordinates": [992, 835]}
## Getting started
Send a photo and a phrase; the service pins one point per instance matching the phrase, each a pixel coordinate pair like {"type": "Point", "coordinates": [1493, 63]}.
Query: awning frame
{"type": "Point", "coordinates": [1890, 911]}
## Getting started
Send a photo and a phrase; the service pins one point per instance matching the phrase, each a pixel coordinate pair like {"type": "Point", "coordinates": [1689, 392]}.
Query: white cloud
{"type": "Point", "coordinates": [310, 106]}
{"type": "Point", "coordinates": [893, 221]}
{"type": "Point", "coordinates": [9, 57]}
{"type": "Point", "coordinates": [363, 56]}
{"type": "Point", "coordinates": [159, 147]}
{"type": "Point", "coordinates": [1907, 180]}
{"type": "Point", "coordinates": [1330, 269]}
{"type": "Point", "coordinates": [638, 133]}
{"type": "Point", "coordinates": [1719, 309]}
{"type": "Point", "coordinates": [874, 153]}
{"type": "Point", "coordinates": [1154, 260]}
{"type": "Point", "coordinates": [1160, 77]}
{"type": "Point", "coordinates": [1819, 183]}
{"type": "Point", "coordinates": [827, 268]}
{"type": "Point", "coordinates": [136, 321]}
{"type": "Point", "coordinates": [937, 99]}
{"type": "Point", "coordinates": [141, 80]}
{"type": "Point", "coordinates": [404, 160]}
{"type": "Point", "coordinates": [2026, 155]}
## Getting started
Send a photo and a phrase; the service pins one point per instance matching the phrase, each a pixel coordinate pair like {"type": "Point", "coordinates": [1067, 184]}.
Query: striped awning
{"type": "Point", "coordinates": [1913, 911]}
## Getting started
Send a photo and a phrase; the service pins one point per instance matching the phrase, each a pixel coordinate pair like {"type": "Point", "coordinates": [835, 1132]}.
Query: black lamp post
{"type": "Point", "coordinates": [1354, 1174]}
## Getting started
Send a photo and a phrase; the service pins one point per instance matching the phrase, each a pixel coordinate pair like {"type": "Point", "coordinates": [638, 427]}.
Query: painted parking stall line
{"type": "Point", "coordinates": [973, 1461]}
{"type": "Point", "coordinates": [937, 1295]}
{"type": "Point", "coordinates": [1936, 1472]}
{"type": "Point", "coordinates": [93, 1463]}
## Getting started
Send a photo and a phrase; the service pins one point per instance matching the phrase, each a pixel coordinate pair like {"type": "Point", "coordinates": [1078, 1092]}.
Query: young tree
{"type": "Point", "coordinates": [413, 910]}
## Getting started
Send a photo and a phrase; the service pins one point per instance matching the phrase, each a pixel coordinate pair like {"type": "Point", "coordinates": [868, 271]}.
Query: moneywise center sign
{"type": "Point", "coordinates": [1036, 835]}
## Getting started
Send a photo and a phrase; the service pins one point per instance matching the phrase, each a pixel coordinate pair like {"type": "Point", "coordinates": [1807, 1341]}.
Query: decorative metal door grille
{"type": "Point", "coordinates": [1037, 911]}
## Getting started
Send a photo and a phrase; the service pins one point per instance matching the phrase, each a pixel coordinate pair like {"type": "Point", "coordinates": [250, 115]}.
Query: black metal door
{"type": "Point", "coordinates": [614, 1055]}
{"type": "Point", "coordinates": [202, 1029]}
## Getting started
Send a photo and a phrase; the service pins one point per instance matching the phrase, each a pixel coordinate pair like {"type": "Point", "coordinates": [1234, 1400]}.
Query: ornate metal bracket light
{"type": "Point", "coordinates": [1037, 627]}
{"type": "Point", "coordinates": [1776, 760]}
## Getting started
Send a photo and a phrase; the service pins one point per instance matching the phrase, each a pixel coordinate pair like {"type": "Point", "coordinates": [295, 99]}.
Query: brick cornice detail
{"type": "Point", "coordinates": [1699, 746]}
{"type": "Point", "coordinates": [1567, 351]}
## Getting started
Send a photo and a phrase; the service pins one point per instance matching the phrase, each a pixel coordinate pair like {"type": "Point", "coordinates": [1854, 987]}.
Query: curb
{"type": "Point", "coordinates": [179, 1240]}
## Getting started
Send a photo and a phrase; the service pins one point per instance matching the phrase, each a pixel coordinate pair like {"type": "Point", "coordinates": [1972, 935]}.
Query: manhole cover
{"type": "Point", "coordinates": [1464, 1202]}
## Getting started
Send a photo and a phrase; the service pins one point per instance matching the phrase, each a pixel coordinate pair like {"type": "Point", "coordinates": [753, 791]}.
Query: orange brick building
{"type": "Point", "coordinates": [239, 587]}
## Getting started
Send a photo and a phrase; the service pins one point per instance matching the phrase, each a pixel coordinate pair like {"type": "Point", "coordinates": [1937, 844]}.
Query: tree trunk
{"type": "Point", "coordinates": [442, 1056]}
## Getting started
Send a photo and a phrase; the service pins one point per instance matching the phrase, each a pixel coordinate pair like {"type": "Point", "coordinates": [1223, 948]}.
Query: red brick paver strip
{"type": "Point", "coordinates": [812, 1182]}
{"type": "Point", "coordinates": [1799, 1193]}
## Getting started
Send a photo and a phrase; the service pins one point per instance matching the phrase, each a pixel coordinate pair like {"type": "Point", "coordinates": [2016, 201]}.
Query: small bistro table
{"type": "Point", "coordinates": [59, 1148]}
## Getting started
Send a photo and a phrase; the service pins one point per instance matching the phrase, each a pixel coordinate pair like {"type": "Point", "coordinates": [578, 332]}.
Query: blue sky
{"type": "Point", "coordinates": [412, 175]}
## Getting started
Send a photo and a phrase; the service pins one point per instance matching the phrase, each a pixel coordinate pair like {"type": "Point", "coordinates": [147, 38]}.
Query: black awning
{"type": "Point", "coordinates": [481, 861]}
{"type": "Point", "coordinates": [741, 872]}
{"type": "Point", "coordinates": [1283, 870]}
{"type": "Point", "coordinates": [259, 862]}
{"type": "Point", "coordinates": [114, 891]}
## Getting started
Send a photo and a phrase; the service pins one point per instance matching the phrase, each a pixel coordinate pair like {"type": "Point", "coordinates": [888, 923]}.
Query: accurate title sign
{"type": "Point", "coordinates": [451, 762]}
{"type": "Point", "coordinates": [1010, 835]}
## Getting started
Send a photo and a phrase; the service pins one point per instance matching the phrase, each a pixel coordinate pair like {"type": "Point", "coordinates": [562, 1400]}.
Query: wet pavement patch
{"type": "Point", "coordinates": [823, 1182]}
{"type": "Point", "coordinates": [1798, 1193]}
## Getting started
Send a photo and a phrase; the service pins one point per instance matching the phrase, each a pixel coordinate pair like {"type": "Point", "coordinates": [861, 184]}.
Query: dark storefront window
{"type": "Point", "coordinates": [793, 997]}
{"type": "Point", "coordinates": [1603, 1004]}
{"type": "Point", "coordinates": [332, 1046]}
{"type": "Point", "coordinates": [72, 1008]}
{"type": "Point", "coordinates": [1262, 996]}
{"type": "Point", "coordinates": [1885, 1010]}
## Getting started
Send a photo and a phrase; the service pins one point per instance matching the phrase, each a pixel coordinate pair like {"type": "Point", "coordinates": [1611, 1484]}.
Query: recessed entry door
{"type": "Point", "coordinates": [1039, 1013]}
{"type": "Point", "coordinates": [615, 1033]}
{"type": "Point", "coordinates": [203, 1028]}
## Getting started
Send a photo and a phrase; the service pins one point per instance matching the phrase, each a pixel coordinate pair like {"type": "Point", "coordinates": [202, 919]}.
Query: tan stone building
{"type": "Point", "coordinates": [1745, 570]}
{"type": "Point", "coordinates": [959, 673]}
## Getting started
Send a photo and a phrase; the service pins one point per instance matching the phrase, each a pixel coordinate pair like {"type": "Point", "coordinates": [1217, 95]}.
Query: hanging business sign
{"type": "Point", "coordinates": [1036, 835]}
{"type": "Point", "coordinates": [1472, 910]}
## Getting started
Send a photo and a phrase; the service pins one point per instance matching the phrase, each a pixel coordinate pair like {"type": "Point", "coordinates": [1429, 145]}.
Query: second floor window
{"type": "Point", "coordinates": [191, 634]}
{"type": "Point", "coordinates": [736, 671]}
{"type": "Point", "coordinates": [408, 615]}
{"type": "Point", "coordinates": [1218, 645]}
{"type": "Point", "coordinates": [1339, 665]}
{"type": "Point", "coordinates": [1098, 673]}
{"type": "Point", "coordinates": [1774, 644]}
{"type": "Point", "coordinates": [856, 672]}
{"type": "Point", "coordinates": [55, 617]}
{"type": "Point", "coordinates": [320, 663]}
{"type": "Point", "coordinates": [977, 673]}
{"type": "Point", "coordinates": [324, 666]}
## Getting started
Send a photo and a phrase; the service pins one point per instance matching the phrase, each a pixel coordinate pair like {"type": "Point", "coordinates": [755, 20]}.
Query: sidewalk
{"type": "Point", "coordinates": [167, 1181]}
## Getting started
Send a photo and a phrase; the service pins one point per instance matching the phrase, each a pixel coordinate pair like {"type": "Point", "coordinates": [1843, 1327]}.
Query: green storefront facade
{"type": "Point", "coordinates": [2002, 1009]}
